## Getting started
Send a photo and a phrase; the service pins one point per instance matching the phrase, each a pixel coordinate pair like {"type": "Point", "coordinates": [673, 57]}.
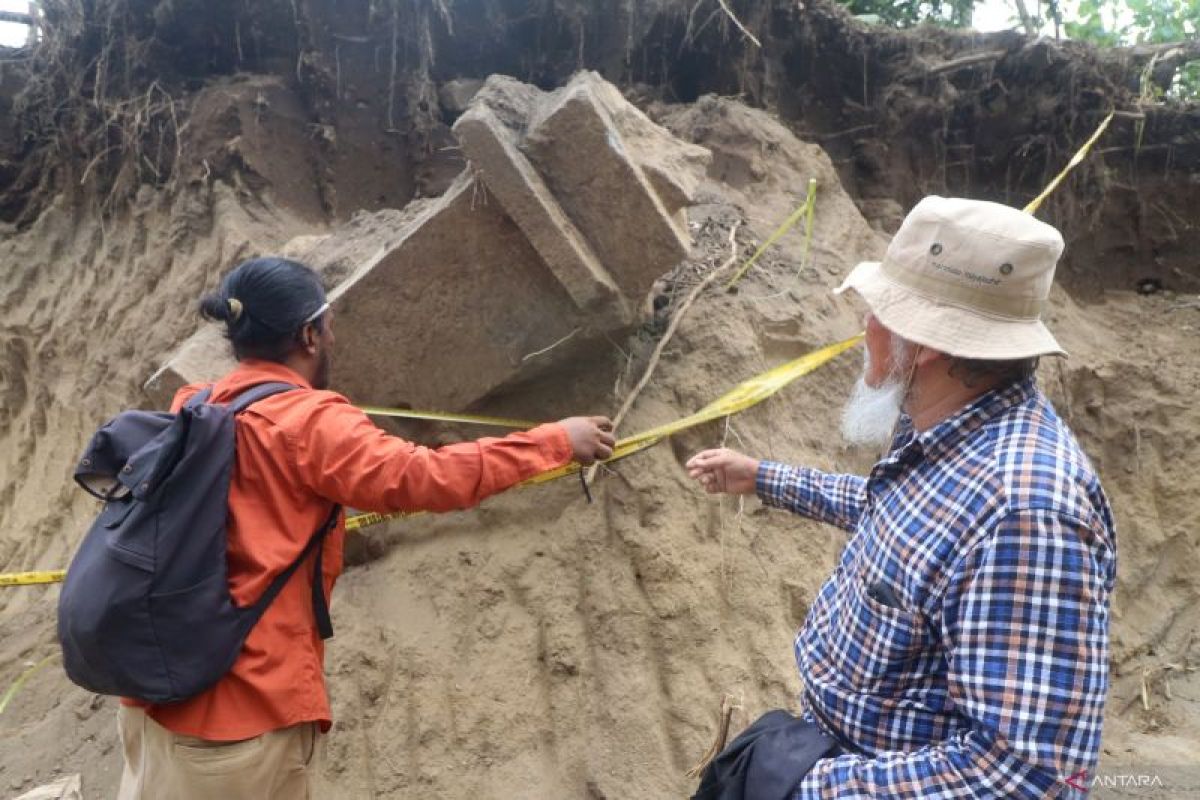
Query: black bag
{"type": "Point", "coordinates": [766, 761]}
{"type": "Point", "coordinates": [145, 611]}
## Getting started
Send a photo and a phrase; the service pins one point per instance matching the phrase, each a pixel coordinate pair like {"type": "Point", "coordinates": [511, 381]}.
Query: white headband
{"type": "Point", "coordinates": [316, 314]}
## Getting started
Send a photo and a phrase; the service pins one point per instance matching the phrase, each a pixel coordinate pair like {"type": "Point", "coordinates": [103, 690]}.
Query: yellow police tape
{"type": "Point", "coordinates": [741, 397]}
{"type": "Point", "coordinates": [744, 395]}
{"type": "Point", "coordinates": [438, 416]}
{"type": "Point", "coordinates": [30, 578]}
{"type": "Point", "coordinates": [806, 211]}
{"type": "Point", "coordinates": [1076, 159]}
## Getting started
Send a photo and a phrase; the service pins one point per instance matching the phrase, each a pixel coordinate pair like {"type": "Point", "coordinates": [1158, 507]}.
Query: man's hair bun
{"type": "Point", "coordinates": [264, 303]}
{"type": "Point", "coordinates": [215, 306]}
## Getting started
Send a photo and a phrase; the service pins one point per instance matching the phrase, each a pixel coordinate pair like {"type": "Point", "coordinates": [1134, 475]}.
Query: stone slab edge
{"type": "Point", "coordinates": [204, 356]}
{"type": "Point", "coordinates": [580, 91]}
{"type": "Point", "coordinates": [512, 180]}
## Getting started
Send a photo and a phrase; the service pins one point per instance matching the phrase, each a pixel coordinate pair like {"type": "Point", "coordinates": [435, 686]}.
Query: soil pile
{"type": "Point", "coordinates": [541, 646]}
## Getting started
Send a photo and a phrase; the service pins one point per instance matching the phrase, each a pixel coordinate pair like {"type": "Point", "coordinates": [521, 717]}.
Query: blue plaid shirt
{"type": "Point", "coordinates": [961, 644]}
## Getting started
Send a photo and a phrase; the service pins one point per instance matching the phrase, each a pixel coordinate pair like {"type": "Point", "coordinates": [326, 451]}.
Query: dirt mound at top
{"type": "Point", "coordinates": [903, 113]}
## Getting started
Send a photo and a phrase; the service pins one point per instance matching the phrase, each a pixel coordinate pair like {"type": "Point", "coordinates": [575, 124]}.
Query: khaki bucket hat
{"type": "Point", "coordinates": [967, 277]}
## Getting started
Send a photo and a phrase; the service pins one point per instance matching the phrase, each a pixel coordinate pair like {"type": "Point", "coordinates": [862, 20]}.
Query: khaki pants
{"type": "Point", "coordinates": [160, 765]}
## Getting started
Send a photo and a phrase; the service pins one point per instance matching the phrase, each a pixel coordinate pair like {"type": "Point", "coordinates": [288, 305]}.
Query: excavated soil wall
{"type": "Point", "coordinates": [542, 646]}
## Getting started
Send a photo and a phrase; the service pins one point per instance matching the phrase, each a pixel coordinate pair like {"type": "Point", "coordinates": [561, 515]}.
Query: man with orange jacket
{"type": "Point", "coordinates": [254, 734]}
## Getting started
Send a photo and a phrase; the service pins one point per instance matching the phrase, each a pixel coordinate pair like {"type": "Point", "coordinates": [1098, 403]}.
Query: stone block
{"type": "Point", "coordinates": [673, 167]}
{"type": "Point", "coordinates": [548, 241]}
{"type": "Point", "coordinates": [574, 143]}
{"type": "Point", "coordinates": [451, 311]}
{"type": "Point", "coordinates": [525, 197]}
{"type": "Point", "coordinates": [205, 356]}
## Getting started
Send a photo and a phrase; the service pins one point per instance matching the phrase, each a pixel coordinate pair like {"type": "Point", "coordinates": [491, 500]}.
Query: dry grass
{"type": "Point", "coordinates": [89, 110]}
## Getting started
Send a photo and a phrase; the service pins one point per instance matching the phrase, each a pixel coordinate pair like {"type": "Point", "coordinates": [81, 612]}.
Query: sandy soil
{"type": "Point", "coordinates": [542, 647]}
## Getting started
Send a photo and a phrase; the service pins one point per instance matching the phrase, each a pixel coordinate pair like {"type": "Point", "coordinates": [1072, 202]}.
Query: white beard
{"type": "Point", "coordinates": [870, 416]}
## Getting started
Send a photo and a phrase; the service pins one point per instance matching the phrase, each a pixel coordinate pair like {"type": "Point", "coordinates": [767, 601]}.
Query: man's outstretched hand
{"type": "Point", "coordinates": [723, 470]}
{"type": "Point", "coordinates": [591, 438]}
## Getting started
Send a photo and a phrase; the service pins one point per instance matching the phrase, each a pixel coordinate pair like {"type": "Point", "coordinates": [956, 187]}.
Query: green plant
{"type": "Point", "coordinates": [907, 13]}
{"type": "Point", "coordinates": [1128, 22]}
{"type": "Point", "coordinates": [1108, 23]}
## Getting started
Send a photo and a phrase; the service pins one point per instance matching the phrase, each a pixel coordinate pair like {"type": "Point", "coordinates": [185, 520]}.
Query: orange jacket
{"type": "Point", "coordinates": [296, 453]}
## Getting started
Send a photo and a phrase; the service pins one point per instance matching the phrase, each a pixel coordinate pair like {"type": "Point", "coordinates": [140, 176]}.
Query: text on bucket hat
{"type": "Point", "coordinates": [969, 278]}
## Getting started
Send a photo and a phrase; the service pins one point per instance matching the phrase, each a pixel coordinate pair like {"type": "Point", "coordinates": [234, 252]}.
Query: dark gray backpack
{"type": "Point", "coordinates": [145, 611]}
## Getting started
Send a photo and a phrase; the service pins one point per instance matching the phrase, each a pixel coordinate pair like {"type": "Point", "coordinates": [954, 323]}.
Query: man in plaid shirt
{"type": "Point", "coordinates": [960, 648]}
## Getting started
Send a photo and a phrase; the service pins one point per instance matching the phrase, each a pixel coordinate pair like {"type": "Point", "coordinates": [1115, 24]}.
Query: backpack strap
{"type": "Point", "coordinates": [316, 541]}
{"type": "Point", "coordinates": [260, 392]}
{"type": "Point", "coordinates": [320, 604]}
{"type": "Point", "coordinates": [199, 398]}
{"type": "Point", "coordinates": [247, 398]}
